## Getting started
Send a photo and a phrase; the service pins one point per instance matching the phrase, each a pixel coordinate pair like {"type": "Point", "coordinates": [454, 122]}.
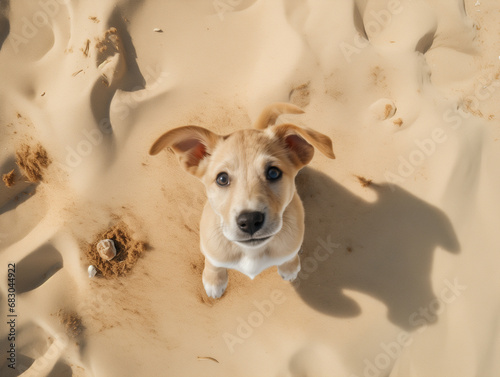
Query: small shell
{"type": "Point", "coordinates": [92, 271]}
{"type": "Point", "coordinates": [106, 249]}
{"type": "Point", "coordinates": [157, 30]}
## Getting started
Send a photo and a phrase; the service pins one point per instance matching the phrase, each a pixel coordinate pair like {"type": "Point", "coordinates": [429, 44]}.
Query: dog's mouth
{"type": "Point", "coordinates": [254, 241]}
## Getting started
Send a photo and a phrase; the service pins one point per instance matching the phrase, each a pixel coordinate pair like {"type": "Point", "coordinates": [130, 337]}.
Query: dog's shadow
{"type": "Point", "coordinates": [383, 248]}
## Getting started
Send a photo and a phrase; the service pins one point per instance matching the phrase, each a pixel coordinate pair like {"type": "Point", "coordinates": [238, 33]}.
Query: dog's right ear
{"type": "Point", "coordinates": [191, 144]}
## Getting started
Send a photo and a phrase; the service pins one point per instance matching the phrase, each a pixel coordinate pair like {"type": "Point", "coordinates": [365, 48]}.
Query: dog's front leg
{"type": "Point", "coordinates": [289, 270]}
{"type": "Point", "coordinates": [214, 279]}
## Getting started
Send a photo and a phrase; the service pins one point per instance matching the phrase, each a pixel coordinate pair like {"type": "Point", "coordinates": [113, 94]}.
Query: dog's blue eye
{"type": "Point", "coordinates": [273, 173]}
{"type": "Point", "coordinates": [222, 179]}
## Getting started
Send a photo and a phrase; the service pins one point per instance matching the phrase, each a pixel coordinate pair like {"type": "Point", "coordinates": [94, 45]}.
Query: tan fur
{"type": "Point", "coordinates": [246, 156]}
{"type": "Point", "coordinates": [271, 113]}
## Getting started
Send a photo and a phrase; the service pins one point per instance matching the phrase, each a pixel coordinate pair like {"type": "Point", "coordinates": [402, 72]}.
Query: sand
{"type": "Point", "coordinates": [32, 160]}
{"type": "Point", "coordinates": [9, 178]}
{"type": "Point", "coordinates": [400, 257]}
{"type": "Point", "coordinates": [71, 322]}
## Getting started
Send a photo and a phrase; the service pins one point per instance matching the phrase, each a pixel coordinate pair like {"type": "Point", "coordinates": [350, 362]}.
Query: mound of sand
{"type": "Point", "coordinates": [9, 178]}
{"type": "Point", "coordinates": [32, 160]}
{"type": "Point", "coordinates": [128, 252]}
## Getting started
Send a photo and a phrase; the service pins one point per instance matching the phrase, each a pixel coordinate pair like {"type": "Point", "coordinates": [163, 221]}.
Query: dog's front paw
{"type": "Point", "coordinates": [215, 291]}
{"type": "Point", "coordinates": [214, 280]}
{"type": "Point", "coordinates": [289, 271]}
{"type": "Point", "coordinates": [289, 276]}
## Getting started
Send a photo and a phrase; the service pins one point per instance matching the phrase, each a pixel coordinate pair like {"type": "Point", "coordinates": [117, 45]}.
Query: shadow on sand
{"type": "Point", "coordinates": [4, 21]}
{"type": "Point", "coordinates": [383, 249]}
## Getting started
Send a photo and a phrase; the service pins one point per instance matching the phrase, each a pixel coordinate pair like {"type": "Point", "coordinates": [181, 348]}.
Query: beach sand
{"type": "Point", "coordinates": [400, 257]}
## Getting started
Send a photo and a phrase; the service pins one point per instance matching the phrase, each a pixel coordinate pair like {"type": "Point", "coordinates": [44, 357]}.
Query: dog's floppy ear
{"type": "Point", "coordinates": [272, 112]}
{"type": "Point", "coordinates": [190, 143]}
{"type": "Point", "coordinates": [301, 143]}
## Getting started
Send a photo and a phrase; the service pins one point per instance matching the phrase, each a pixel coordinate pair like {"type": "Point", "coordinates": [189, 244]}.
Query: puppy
{"type": "Point", "coordinates": [254, 218]}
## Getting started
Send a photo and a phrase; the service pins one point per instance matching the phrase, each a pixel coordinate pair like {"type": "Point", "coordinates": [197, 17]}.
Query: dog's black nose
{"type": "Point", "coordinates": [250, 222]}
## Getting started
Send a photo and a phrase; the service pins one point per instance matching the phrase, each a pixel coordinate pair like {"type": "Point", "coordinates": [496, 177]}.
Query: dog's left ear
{"type": "Point", "coordinates": [191, 144]}
{"type": "Point", "coordinates": [301, 142]}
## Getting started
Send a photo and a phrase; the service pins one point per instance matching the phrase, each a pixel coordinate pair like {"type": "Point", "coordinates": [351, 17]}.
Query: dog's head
{"type": "Point", "coordinates": [249, 174]}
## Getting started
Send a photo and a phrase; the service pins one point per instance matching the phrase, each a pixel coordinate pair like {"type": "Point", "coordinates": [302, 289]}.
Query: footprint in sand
{"type": "Point", "coordinates": [37, 267]}
{"type": "Point", "coordinates": [410, 26]}
{"type": "Point", "coordinates": [30, 31]}
{"type": "Point", "coordinates": [117, 67]}
{"type": "Point", "coordinates": [26, 170]}
{"type": "Point", "coordinates": [112, 67]}
{"type": "Point", "coordinates": [39, 354]}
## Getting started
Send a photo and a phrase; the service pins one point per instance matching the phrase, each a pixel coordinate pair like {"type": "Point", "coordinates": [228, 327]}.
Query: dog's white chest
{"type": "Point", "coordinates": [252, 266]}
